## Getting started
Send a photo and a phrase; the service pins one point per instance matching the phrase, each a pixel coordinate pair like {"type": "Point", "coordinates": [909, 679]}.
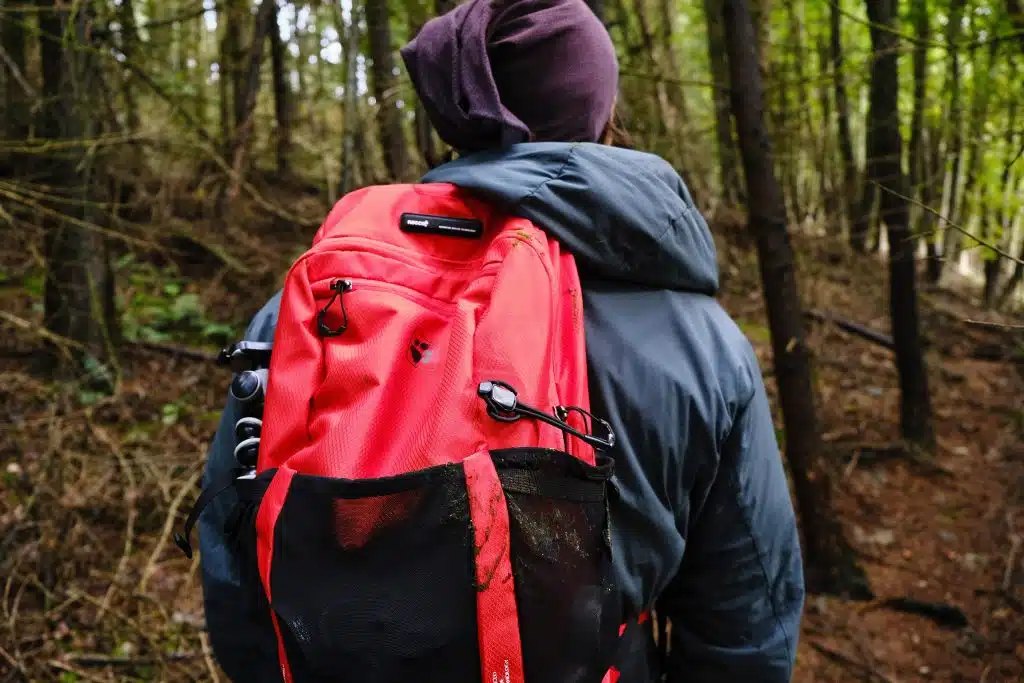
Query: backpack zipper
{"type": "Point", "coordinates": [339, 287]}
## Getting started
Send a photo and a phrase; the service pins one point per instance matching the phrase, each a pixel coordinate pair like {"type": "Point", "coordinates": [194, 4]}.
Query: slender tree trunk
{"type": "Point", "coordinates": [931, 196]}
{"type": "Point", "coordinates": [849, 176]}
{"type": "Point", "coordinates": [1015, 10]}
{"type": "Point", "coordinates": [801, 122]}
{"type": "Point", "coordinates": [282, 96]}
{"type": "Point", "coordinates": [18, 90]}
{"type": "Point", "coordinates": [351, 111]}
{"type": "Point", "coordinates": [423, 129]}
{"type": "Point", "coordinates": [78, 293]}
{"type": "Point", "coordinates": [389, 116]}
{"type": "Point", "coordinates": [1007, 180]}
{"type": "Point", "coordinates": [970, 204]}
{"type": "Point", "coordinates": [230, 59]}
{"type": "Point", "coordinates": [827, 553]}
{"type": "Point", "coordinates": [922, 32]}
{"type": "Point", "coordinates": [827, 182]}
{"type": "Point", "coordinates": [1006, 296]}
{"type": "Point", "coordinates": [954, 135]}
{"type": "Point", "coordinates": [671, 64]}
{"type": "Point", "coordinates": [666, 119]}
{"type": "Point", "coordinates": [245, 108]}
{"type": "Point", "coordinates": [883, 117]}
{"type": "Point", "coordinates": [728, 164]}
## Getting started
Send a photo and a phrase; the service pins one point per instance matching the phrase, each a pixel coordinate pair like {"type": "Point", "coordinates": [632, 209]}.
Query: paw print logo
{"type": "Point", "coordinates": [420, 352]}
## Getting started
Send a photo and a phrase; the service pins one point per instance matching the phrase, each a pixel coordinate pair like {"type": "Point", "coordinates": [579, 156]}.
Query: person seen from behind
{"type": "Point", "coordinates": [703, 527]}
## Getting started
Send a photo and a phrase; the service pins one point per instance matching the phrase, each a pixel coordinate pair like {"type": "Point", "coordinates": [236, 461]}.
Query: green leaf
{"type": "Point", "coordinates": [186, 306]}
{"type": "Point", "coordinates": [171, 413]}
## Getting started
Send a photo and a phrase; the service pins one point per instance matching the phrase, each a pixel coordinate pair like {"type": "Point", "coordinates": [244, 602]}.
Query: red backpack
{"type": "Point", "coordinates": [431, 489]}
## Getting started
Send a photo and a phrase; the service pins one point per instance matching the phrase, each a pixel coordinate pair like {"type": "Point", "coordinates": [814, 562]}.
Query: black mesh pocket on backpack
{"type": "Point", "coordinates": [373, 580]}
{"type": "Point", "coordinates": [569, 607]}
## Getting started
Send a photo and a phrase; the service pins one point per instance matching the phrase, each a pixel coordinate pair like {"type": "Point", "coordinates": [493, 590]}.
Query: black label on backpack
{"type": "Point", "coordinates": [469, 228]}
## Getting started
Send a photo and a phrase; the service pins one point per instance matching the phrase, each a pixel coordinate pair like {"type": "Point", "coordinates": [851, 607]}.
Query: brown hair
{"type": "Point", "coordinates": [615, 134]}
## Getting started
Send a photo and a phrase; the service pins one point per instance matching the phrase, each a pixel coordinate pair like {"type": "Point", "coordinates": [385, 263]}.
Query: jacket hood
{"type": "Point", "coordinates": [624, 215]}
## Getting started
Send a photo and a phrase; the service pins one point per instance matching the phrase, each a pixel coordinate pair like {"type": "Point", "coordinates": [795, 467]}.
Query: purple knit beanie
{"type": "Point", "coordinates": [496, 72]}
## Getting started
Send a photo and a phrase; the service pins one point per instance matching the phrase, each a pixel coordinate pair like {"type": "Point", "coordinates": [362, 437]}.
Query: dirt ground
{"type": "Point", "coordinates": [92, 587]}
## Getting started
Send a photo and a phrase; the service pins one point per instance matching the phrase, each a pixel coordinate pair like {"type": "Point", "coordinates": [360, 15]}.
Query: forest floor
{"type": "Point", "coordinates": [92, 588]}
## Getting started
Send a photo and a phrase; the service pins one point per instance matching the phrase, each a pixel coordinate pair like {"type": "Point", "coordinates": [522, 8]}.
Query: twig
{"type": "Point", "coordinates": [998, 326]}
{"type": "Point", "coordinates": [852, 464]}
{"type": "Point", "coordinates": [950, 223]}
{"type": "Point", "coordinates": [16, 72]}
{"type": "Point", "coordinates": [204, 641]}
{"type": "Point", "coordinates": [94, 659]}
{"type": "Point", "coordinates": [77, 672]}
{"type": "Point", "coordinates": [853, 328]}
{"type": "Point", "coordinates": [168, 527]}
{"type": "Point", "coordinates": [129, 537]}
{"type": "Point", "coordinates": [1011, 562]}
{"type": "Point", "coordinates": [849, 661]}
{"type": "Point", "coordinates": [41, 331]}
{"type": "Point", "coordinates": [19, 667]}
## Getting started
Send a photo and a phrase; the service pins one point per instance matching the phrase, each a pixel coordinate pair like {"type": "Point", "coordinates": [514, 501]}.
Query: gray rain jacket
{"type": "Point", "coordinates": [703, 527]}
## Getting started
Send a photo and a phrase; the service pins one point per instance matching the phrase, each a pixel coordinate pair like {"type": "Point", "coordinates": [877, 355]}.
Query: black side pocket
{"type": "Point", "coordinates": [569, 606]}
{"type": "Point", "coordinates": [373, 580]}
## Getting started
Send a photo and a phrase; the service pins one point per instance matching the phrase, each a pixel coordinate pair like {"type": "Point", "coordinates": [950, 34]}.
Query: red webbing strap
{"type": "Point", "coordinates": [613, 674]}
{"type": "Point", "coordinates": [501, 652]}
{"type": "Point", "coordinates": [266, 521]}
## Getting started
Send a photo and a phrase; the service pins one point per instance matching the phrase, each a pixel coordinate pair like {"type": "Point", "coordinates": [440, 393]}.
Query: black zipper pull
{"type": "Point", "coordinates": [503, 405]}
{"type": "Point", "coordinates": [339, 287]}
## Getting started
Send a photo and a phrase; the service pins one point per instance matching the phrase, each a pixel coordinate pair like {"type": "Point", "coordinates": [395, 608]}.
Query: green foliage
{"type": "Point", "coordinates": [159, 307]}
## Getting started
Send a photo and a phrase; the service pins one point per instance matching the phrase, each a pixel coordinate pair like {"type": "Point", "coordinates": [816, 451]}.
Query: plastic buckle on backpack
{"type": "Point", "coordinates": [501, 400]}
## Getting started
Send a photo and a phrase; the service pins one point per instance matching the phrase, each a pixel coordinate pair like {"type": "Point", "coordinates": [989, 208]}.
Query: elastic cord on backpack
{"type": "Point", "coordinates": [503, 404]}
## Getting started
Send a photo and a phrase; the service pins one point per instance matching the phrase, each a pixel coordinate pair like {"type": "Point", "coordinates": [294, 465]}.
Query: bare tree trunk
{"type": "Point", "coordinates": [954, 135]}
{"type": "Point", "coordinates": [245, 107]}
{"type": "Point", "coordinates": [828, 555]}
{"type": "Point", "coordinates": [666, 119]}
{"type": "Point", "coordinates": [389, 116]}
{"type": "Point", "coordinates": [129, 46]}
{"type": "Point", "coordinates": [994, 265]}
{"type": "Point", "coordinates": [229, 67]}
{"type": "Point", "coordinates": [423, 129]}
{"type": "Point", "coordinates": [728, 164]}
{"type": "Point", "coordinates": [671, 60]}
{"type": "Point", "coordinates": [1015, 279]}
{"type": "Point", "coordinates": [1015, 10]}
{"type": "Point", "coordinates": [351, 111]}
{"type": "Point", "coordinates": [922, 31]}
{"type": "Point", "coordinates": [931, 196]}
{"type": "Point", "coordinates": [849, 186]}
{"type": "Point", "coordinates": [78, 295]}
{"type": "Point", "coordinates": [883, 117]}
{"type": "Point", "coordinates": [801, 126]}
{"type": "Point", "coordinates": [282, 96]}
{"type": "Point", "coordinates": [830, 200]}
{"type": "Point", "coordinates": [18, 90]}
{"type": "Point", "coordinates": [975, 149]}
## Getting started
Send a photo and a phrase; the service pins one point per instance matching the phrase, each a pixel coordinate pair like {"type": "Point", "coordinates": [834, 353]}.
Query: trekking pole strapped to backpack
{"type": "Point", "coordinates": [432, 489]}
